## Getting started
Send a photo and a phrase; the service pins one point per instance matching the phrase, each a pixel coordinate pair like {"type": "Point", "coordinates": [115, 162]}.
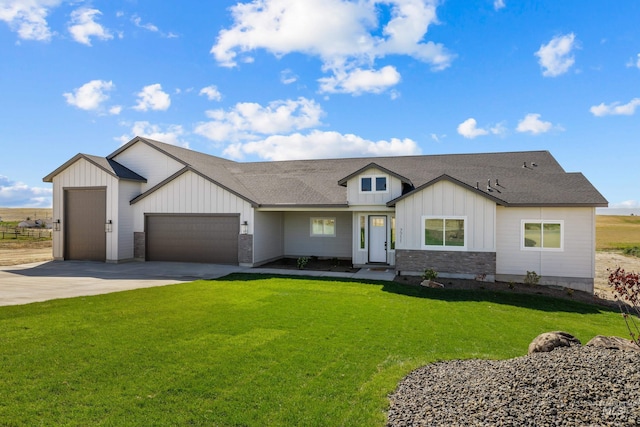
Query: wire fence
{"type": "Point", "coordinates": [23, 233]}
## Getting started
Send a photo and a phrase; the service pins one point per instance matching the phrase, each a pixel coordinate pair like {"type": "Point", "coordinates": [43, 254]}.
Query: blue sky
{"type": "Point", "coordinates": [290, 79]}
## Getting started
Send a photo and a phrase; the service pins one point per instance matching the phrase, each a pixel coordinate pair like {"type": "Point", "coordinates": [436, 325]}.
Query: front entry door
{"type": "Point", "coordinates": [378, 239]}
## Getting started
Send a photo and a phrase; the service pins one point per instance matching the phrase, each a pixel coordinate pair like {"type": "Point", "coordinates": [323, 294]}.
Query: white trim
{"type": "Point", "coordinates": [373, 184]}
{"type": "Point", "coordinates": [322, 218]}
{"type": "Point", "coordinates": [442, 247]}
{"type": "Point", "coordinates": [541, 222]}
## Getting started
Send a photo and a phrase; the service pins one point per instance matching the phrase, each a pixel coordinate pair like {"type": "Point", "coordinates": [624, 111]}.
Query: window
{"type": "Point", "coordinates": [363, 242]}
{"type": "Point", "coordinates": [444, 232]}
{"type": "Point", "coordinates": [324, 227]}
{"type": "Point", "coordinates": [542, 235]}
{"type": "Point", "coordinates": [393, 233]}
{"type": "Point", "coordinates": [373, 184]}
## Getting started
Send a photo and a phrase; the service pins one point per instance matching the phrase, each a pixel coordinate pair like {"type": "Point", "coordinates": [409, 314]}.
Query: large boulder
{"type": "Point", "coordinates": [615, 343]}
{"type": "Point", "coordinates": [550, 340]}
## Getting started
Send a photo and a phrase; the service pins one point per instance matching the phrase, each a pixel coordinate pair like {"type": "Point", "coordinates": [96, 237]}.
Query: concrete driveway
{"type": "Point", "coordinates": [23, 284]}
{"type": "Point", "coordinates": [43, 281]}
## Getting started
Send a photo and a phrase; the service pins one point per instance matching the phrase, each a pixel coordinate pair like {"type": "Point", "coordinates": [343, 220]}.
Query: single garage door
{"type": "Point", "coordinates": [85, 213]}
{"type": "Point", "coordinates": [193, 238]}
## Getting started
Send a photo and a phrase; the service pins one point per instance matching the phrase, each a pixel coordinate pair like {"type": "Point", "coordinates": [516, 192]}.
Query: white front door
{"type": "Point", "coordinates": [377, 238]}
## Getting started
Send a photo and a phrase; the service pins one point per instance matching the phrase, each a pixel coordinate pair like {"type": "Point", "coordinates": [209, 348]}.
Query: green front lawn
{"type": "Point", "coordinates": [255, 350]}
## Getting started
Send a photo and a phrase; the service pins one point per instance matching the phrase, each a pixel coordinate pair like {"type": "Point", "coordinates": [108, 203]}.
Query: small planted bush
{"type": "Point", "coordinates": [429, 274]}
{"type": "Point", "coordinates": [532, 278]}
{"type": "Point", "coordinates": [626, 289]}
{"type": "Point", "coordinates": [302, 262]}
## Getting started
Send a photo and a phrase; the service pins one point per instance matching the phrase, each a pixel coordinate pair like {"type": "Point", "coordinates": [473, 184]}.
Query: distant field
{"type": "Point", "coordinates": [617, 232]}
{"type": "Point", "coordinates": [20, 214]}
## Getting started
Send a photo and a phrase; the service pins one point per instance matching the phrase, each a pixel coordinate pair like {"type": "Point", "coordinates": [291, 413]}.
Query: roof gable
{"type": "Point", "coordinates": [373, 165]}
{"type": "Point", "coordinates": [111, 167]}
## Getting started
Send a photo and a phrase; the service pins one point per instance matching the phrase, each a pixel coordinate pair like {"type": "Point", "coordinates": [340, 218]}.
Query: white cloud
{"type": "Point", "coordinates": [152, 97]}
{"type": "Point", "coordinates": [498, 4]}
{"type": "Point", "coordinates": [137, 21]}
{"type": "Point", "coordinates": [346, 35]}
{"type": "Point", "coordinates": [83, 26]}
{"type": "Point", "coordinates": [115, 110]}
{"type": "Point", "coordinates": [627, 204]}
{"type": "Point", "coordinates": [531, 123]}
{"type": "Point", "coordinates": [28, 18]}
{"type": "Point", "coordinates": [318, 144]}
{"type": "Point", "coordinates": [249, 120]}
{"type": "Point", "coordinates": [287, 77]}
{"type": "Point", "coordinates": [90, 96]}
{"type": "Point", "coordinates": [358, 81]}
{"type": "Point", "coordinates": [171, 134]}
{"type": "Point", "coordinates": [469, 129]}
{"type": "Point", "coordinates": [555, 57]}
{"type": "Point", "coordinates": [18, 194]}
{"type": "Point", "coordinates": [212, 93]}
{"type": "Point", "coordinates": [616, 109]}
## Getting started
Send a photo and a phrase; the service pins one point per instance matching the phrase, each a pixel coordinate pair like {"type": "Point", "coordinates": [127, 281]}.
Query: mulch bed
{"type": "Point", "coordinates": [314, 264]}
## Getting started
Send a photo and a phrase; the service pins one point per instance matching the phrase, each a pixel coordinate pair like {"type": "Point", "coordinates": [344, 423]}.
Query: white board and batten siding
{"type": "Point", "coordinates": [149, 163]}
{"type": "Point", "coordinates": [84, 174]}
{"type": "Point", "coordinates": [355, 197]}
{"type": "Point", "coordinates": [577, 257]}
{"type": "Point", "coordinates": [191, 193]}
{"type": "Point", "coordinates": [445, 198]}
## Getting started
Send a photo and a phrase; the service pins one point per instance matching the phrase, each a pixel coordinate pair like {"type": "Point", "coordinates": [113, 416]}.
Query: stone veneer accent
{"type": "Point", "coordinates": [447, 263]}
{"type": "Point", "coordinates": [245, 249]}
{"type": "Point", "coordinates": [139, 245]}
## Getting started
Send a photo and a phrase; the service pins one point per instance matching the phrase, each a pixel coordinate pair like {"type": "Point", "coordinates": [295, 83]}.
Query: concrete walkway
{"type": "Point", "coordinates": [27, 283]}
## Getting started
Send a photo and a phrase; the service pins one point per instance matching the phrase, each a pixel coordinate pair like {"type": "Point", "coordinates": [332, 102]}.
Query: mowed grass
{"type": "Point", "coordinates": [617, 232]}
{"type": "Point", "coordinates": [252, 350]}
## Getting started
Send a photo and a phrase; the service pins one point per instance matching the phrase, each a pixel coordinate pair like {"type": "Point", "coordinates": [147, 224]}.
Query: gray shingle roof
{"type": "Point", "coordinates": [529, 178]}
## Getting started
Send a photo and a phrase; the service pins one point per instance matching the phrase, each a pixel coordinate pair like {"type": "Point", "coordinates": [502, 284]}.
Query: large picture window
{"type": "Point", "coordinates": [542, 235]}
{"type": "Point", "coordinates": [444, 232]}
{"type": "Point", "coordinates": [323, 227]}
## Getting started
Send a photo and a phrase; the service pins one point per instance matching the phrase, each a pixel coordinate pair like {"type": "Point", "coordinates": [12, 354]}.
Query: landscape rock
{"type": "Point", "coordinates": [548, 341]}
{"type": "Point", "coordinates": [431, 284]}
{"type": "Point", "coordinates": [615, 343]}
{"type": "Point", "coordinates": [571, 386]}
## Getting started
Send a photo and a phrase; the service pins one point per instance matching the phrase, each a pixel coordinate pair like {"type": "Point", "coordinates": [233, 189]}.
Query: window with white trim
{"type": "Point", "coordinates": [323, 227]}
{"type": "Point", "coordinates": [444, 232]}
{"type": "Point", "coordinates": [373, 184]}
{"type": "Point", "coordinates": [540, 235]}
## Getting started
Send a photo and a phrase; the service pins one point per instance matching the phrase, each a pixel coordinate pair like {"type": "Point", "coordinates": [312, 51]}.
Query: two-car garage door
{"type": "Point", "coordinates": [192, 238]}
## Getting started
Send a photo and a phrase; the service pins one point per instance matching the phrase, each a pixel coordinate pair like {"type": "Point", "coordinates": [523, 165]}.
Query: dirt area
{"type": "Point", "coordinates": [314, 264]}
{"type": "Point", "coordinates": [11, 254]}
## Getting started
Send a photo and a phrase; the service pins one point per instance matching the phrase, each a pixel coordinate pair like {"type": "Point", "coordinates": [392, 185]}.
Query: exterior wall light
{"type": "Point", "coordinates": [56, 225]}
{"type": "Point", "coordinates": [108, 226]}
{"type": "Point", "coordinates": [244, 227]}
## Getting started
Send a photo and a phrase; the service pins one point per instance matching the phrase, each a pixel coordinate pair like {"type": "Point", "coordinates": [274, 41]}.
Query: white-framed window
{"type": "Point", "coordinates": [444, 232]}
{"type": "Point", "coordinates": [542, 235]}
{"type": "Point", "coordinates": [362, 221]}
{"type": "Point", "coordinates": [374, 184]}
{"type": "Point", "coordinates": [323, 227]}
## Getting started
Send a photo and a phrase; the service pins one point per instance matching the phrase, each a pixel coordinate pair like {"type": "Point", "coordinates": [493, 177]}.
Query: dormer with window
{"type": "Point", "coordinates": [374, 185]}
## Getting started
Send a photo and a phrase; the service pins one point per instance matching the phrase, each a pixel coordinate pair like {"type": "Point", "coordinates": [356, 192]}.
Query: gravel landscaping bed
{"type": "Point", "coordinates": [571, 386]}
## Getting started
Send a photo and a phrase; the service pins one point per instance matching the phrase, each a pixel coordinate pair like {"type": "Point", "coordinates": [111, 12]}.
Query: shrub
{"type": "Point", "coordinates": [302, 262]}
{"type": "Point", "coordinates": [626, 289]}
{"type": "Point", "coordinates": [429, 274]}
{"type": "Point", "coordinates": [633, 251]}
{"type": "Point", "coordinates": [531, 278]}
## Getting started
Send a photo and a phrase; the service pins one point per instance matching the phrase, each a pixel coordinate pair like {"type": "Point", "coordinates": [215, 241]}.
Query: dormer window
{"type": "Point", "coordinates": [373, 184]}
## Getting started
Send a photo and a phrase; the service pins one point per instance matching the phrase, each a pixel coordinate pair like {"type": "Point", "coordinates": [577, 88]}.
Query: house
{"type": "Point", "coordinates": [495, 215]}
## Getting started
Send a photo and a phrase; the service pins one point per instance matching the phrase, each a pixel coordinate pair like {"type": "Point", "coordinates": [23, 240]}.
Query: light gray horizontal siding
{"type": "Point", "coordinates": [298, 241]}
{"type": "Point", "coordinates": [268, 236]}
{"type": "Point", "coordinates": [354, 197]}
{"type": "Point", "coordinates": [576, 260]}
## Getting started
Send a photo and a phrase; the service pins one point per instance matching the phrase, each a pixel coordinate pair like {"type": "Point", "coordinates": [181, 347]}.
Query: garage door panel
{"type": "Point", "coordinates": [193, 238]}
{"type": "Point", "coordinates": [85, 216]}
